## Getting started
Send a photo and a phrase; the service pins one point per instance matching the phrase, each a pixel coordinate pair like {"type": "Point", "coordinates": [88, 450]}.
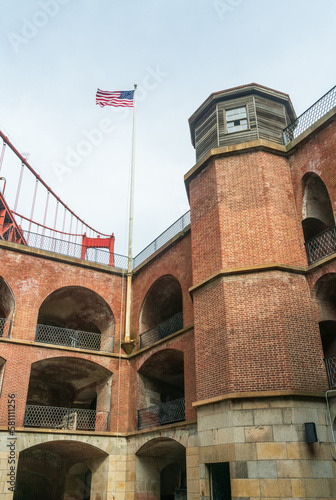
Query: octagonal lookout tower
{"type": "Point", "coordinates": [238, 115]}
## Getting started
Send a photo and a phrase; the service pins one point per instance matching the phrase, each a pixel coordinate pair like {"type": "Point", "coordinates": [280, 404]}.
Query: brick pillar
{"type": "Point", "coordinates": [15, 382]}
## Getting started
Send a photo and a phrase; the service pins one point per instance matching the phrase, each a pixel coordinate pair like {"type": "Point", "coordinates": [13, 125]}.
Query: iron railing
{"type": "Point", "coordinates": [5, 327]}
{"type": "Point", "coordinates": [321, 246]}
{"type": "Point", "coordinates": [73, 338]}
{"type": "Point", "coordinates": [97, 255]}
{"type": "Point", "coordinates": [331, 370]}
{"type": "Point", "coordinates": [165, 413]}
{"type": "Point", "coordinates": [64, 247]}
{"type": "Point", "coordinates": [310, 116]}
{"type": "Point", "coordinates": [177, 227]}
{"type": "Point", "coordinates": [55, 417]}
{"type": "Point", "coordinates": [171, 325]}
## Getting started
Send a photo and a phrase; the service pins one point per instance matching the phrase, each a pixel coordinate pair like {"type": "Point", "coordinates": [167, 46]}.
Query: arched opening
{"type": "Point", "coordinates": [173, 478]}
{"type": "Point", "coordinates": [161, 389]}
{"type": "Point", "coordinates": [325, 294]}
{"type": "Point", "coordinates": [318, 219]}
{"type": "Point", "coordinates": [317, 210]}
{"type": "Point", "coordinates": [161, 470]}
{"type": "Point", "coordinates": [161, 312]}
{"type": "Point", "coordinates": [76, 317]}
{"type": "Point", "coordinates": [68, 393]}
{"type": "Point", "coordinates": [7, 306]}
{"type": "Point", "coordinates": [61, 470]}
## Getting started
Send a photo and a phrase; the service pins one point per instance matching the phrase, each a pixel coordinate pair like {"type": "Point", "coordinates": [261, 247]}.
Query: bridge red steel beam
{"type": "Point", "coordinates": [98, 243]}
{"type": "Point", "coordinates": [37, 176]}
{"type": "Point", "coordinates": [9, 228]}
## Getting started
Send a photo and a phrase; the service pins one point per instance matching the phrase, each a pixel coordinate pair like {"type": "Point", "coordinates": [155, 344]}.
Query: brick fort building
{"type": "Point", "coordinates": [225, 390]}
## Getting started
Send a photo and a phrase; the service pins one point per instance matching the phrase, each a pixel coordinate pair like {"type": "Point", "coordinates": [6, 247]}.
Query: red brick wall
{"type": "Point", "coordinates": [258, 331]}
{"type": "Point", "coordinates": [32, 279]}
{"type": "Point", "coordinates": [259, 334]}
{"type": "Point", "coordinates": [184, 344]}
{"type": "Point", "coordinates": [253, 332]}
{"type": "Point", "coordinates": [243, 214]}
{"type": "Point", "coordinates": [318, 155]}
{"type": "Point", "coordinates": [206, 231]}
{"type": "Point", "coordinates": [176, 261]}
{"type": "Point", "coordinates": [17, 372]}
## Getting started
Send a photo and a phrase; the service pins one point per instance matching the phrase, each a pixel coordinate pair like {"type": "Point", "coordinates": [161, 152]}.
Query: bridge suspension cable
{"type": "Point", "coordinates": [25, 164]}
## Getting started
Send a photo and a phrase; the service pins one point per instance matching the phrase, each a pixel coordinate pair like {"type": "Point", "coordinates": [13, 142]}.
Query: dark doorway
{"type": "Point", "coordinates": [220, 481]}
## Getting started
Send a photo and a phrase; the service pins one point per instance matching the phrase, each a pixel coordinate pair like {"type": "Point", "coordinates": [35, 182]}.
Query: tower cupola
{"type": "Point", "coordinates": [239, 115]}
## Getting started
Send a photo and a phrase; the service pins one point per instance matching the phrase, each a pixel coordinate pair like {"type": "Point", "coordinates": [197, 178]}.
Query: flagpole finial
{"type": "Point", "coordinates": [135, 86]}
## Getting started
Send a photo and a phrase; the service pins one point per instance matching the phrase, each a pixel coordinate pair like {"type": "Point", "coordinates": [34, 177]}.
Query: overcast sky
{"type": "Point", "coordinates": [55, 53]}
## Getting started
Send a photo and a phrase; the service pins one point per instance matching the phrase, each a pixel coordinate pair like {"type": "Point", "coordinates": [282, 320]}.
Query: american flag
{"type": "Point", "coordinates": [122, 98]}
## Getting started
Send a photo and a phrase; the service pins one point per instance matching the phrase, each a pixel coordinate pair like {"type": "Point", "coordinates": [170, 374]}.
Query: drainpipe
{"type": "Point", "coordinates": [330, 426]}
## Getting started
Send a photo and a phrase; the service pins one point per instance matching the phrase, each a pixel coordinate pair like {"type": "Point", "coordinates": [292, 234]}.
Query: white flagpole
{"type": "Point", "coordinates": [127, 339]}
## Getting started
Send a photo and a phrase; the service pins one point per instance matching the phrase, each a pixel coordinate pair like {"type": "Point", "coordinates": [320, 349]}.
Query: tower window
{"type": "Point", "coordinates": [236, 120]}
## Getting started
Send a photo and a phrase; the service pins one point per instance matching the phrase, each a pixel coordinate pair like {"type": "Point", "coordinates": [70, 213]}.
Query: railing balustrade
{"type": "Point", "coordinates": [97, 255]}
{"type": "Point", "coordinates": [177, 227]}
{"type": "Point", "coordinates": [64, 247]}
{"type": "Point", "coordinates": [322, 245]}
{"type": "Point", "coordinates": [171, 325]}
{"type": "Point", "coordinates": [331, 370]}
{"type": "Point", "coordinates": [310, 116]}
{"type": "Point", "coordinates": [55, 417]}
{"type": "Point", "coordinates": [165, 413]}
{"type": "Point", "coordinates": [73, 338]}
{"type": "Point", "coordinates": [5, 327]}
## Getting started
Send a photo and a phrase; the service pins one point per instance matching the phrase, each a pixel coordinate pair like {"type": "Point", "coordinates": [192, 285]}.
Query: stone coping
{"type": "Point", "coordinates": [262, 394]}
{"type": "Point", "coordinates": [179, 236]}
{"type": "Point", "coordinates": [34, 430]}
{"type": "Point", "coordinates": [65, 259]}
{"type": "Point", "coordinates": [63, 348]}
{"type": "Point", "coordinates": [262, 268]}
{"type": "Point", "coordinates": [117, 355]}
{"type": "Point", "coordinates": [244, 147]}
{"type": "Point", "coordinates": [162, 341]}
{"type": "Point", "coordinates": [259, 145]}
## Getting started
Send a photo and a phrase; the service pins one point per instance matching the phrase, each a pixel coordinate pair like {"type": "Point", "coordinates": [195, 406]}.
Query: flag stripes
{"type": "Point", "coordinates": [122, 98]}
